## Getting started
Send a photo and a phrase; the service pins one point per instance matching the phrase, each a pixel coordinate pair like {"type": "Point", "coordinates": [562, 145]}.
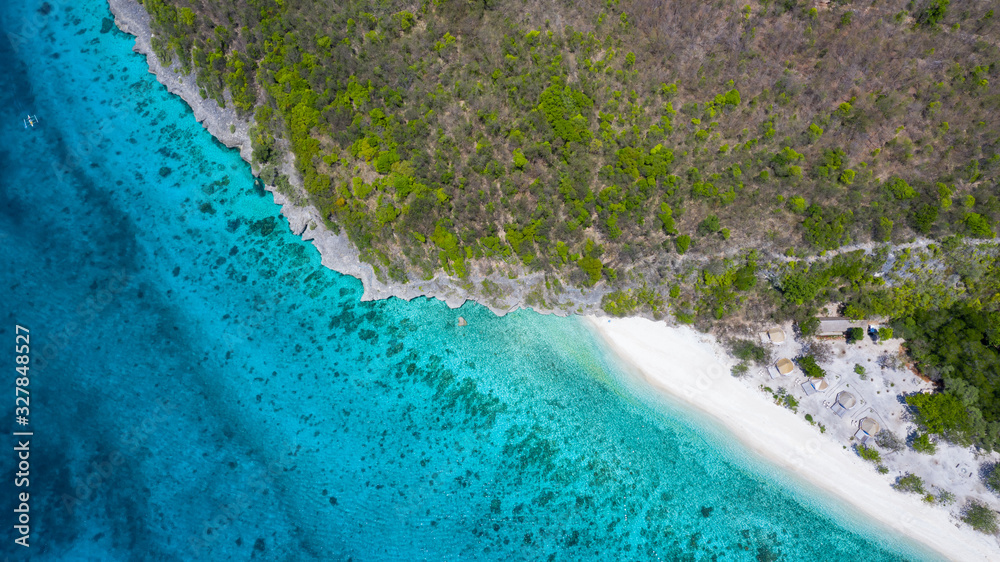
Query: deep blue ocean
{"type": "Point", "coordinates": [203, 389]}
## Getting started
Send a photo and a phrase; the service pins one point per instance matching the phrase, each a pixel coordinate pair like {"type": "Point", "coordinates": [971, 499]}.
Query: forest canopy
{"type": "Point", "coordinates": [960, 348]}
{"type": "Point", "coordinates": [447, 135]}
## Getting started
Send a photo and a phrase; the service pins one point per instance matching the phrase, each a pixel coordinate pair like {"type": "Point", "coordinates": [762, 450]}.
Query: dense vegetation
{"type": "Point", "coordinates": [589, 139]}
{"type": "Point", "coordinates": [960, 348]}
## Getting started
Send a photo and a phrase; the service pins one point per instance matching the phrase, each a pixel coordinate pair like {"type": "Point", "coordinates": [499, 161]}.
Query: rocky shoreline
{"type": "Point", "coordinates": [337, 251]}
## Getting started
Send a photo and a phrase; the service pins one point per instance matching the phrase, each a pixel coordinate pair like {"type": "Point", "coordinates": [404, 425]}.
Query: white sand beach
{"type": "Point", "coordinates": [694, 368]}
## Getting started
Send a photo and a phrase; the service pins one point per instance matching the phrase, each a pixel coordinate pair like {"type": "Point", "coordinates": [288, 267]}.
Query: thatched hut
{"type": "Point", "coordinates": [868, 428]}
{"type": "Point", "coordinates": [845, 401]}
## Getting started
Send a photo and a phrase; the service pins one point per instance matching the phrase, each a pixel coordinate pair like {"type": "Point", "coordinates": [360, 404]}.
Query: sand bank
{"type": "Point", "coordinates": [694, 369]}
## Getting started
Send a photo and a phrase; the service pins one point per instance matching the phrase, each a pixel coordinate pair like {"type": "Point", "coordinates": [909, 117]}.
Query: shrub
{"type": "Point", "coordinates": [910, 483]}
{"type": "Point", "coordinates": [746, 276]}
{"type": "Point", "coordinates": [847, 177]}
{"type": "Point", "coordinates": [854, 335]}
{"type": "Point", "coordinates": [980, 517]}
{"type": "Point", "coordinates": [883, 230]}
{"type": "Point", "coordinates": [619, 303]}
{"type": "Point", "coordinates": [520, 161]}
{"type": "Point", "coordinates": [666, 216]}
{"type": "Point", "coordinates": [683, 243]}
{"type": "Point", "coordinates": [870, 455]}
{"type": "Point", "coordinates": [924, 218]}
{"type": "Point", "coordinates": [809, 325]}
{"type": "Point", "coordinates": [978, 225]}
{"type": "Point", "coordinates": [747, 350]}
{"type": "Point", "coordinates": [945, 497]}
{"type": "Point", "coordinates": [826, 228]}
{"type": "Point", "coordinates": [593, 268]}
{"type": "Point", "coordinates": [922, 444]}
{"type": "Point", "coordinates": [899, 189]}
{"type": "Point", "coordinates": [740, 370]}
{"type": "Point", "coordinates": [943, 414]}
{"type": "Point", "coordinates": [889, 441]}
{"type": "Point", "coordinates": [815, 132]}
{"type": "Point", "coordinates": [884, 333]}
{"type": "Point", "coordinates": [783, 162]}
{"type": "Point", "coordinates": [810, 368]}
{"type": "Point", "coordinates": [709, 226]}
{"type": "Point", "coordinates": [993, 480]}
{"type": "Point", "coordinates": [797, 204]}
{"type": "Point", "coordinates": [791, 403]}
{"type": "Point", "coordinates": [933, 13]}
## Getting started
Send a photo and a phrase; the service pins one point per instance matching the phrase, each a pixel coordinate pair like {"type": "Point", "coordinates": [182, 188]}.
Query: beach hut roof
{"type": "Point", "coordinates": [846, 399]}
{"type": "Point", "coordinates": [870, 426]}
{"type": "Point", "coordinates": [820, 384]}
{"type": "Point", "coordinates": [833, 326]}
{"type": "Point", "coordinates": [784, 366]}
{"type": "Point", "coordinates": [776, 335]}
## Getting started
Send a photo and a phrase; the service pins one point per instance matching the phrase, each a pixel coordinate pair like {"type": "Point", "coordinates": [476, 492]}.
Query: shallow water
{"type": "Point", "coordinates": [204, 389]}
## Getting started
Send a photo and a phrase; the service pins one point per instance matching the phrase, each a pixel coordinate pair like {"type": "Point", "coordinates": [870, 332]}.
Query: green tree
{"type": "Point", "coordinates": [899, 189]}
{"type": "Point", "coordinates": [847, 177]}
{"type": "Point", "coordinates": [815, 132]}
{"type": "Point", "coordinates": [593, 268]}
{"type": "Point", "coordinates": [797, 204]}
{"type": "Point", "coordinates": [924, 218]}
{"type": "Point", "coordinates": [683, 243]}
{"type": "Point", "coordinates": [869, 454]}
{"type": "Point", "coordinates": [910, 483]}
{"type": "Point", "coordinates": [855, 335]}
{"type": "Point", "coordinates": [993, 479]}
{"type": "Point", "coordinates": [709, 225]}
{"type": "Point", "coordinates": [810, 367]}
{"type": "Point", "coordinates": [889, 441]}
{"type": "Point", "coordinates": [978, 225]}
{"type": "Point", "coordinates": [942, 414]}
{"type": "Point", "coordinates": [980, 517]}
{"type": "Point", "coordinates": [519, 159]}
{"type": "Point", "coordinates": [933, 13]}
{"type": "Point", "coordinates": [883, 230]}
{"type": "Point", "coordinates": [666, 217]}
{"type": "Point", "coordinates": [922, 444]}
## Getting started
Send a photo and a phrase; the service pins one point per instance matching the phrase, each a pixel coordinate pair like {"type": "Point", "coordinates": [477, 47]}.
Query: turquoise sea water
{"type": "Point", "coordinates": [202, 389]}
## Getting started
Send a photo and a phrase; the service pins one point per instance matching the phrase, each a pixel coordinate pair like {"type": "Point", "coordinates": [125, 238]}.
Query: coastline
{"type": "Point", "coordinates": [694, 369]}
{"type": "Point", "coordinates": [645, 345]}
{"type": "Point", "coordinates": [500, 291]}
{"type": "Point", "coordinates": [337, 251]}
